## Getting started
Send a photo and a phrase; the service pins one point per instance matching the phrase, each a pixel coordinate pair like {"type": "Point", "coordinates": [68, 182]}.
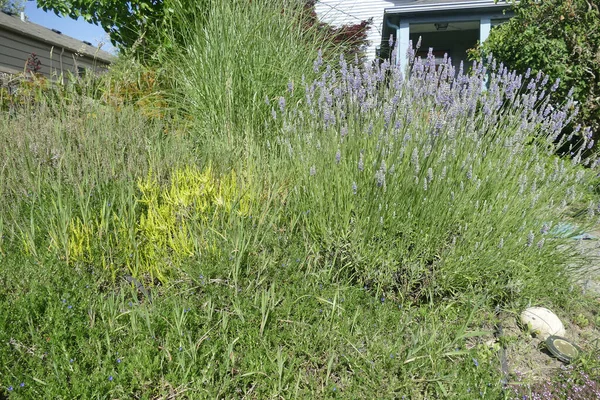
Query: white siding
{"type": "Point", "coordinates": [342, 12]}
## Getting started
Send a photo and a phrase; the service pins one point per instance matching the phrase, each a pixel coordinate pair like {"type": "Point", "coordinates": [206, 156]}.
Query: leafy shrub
{"type": "Point", "coordinates": [126, 83]}
{"type": "Point", "coordinates": [428, 185]}
{"type": "Point", "coordinates": [349, 39]}
{"type": "Point", "coordinates": [34, 65]}
{"type": "Point", "coordinates": [22, 90]}
{"type": "Point", "coordinates": [560, 38]}
{"type": "Point", "coordinates": [12, 6]}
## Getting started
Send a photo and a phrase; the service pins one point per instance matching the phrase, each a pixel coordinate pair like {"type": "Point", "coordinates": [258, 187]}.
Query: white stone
{"type": "Point", "coordinates": [542, 322]}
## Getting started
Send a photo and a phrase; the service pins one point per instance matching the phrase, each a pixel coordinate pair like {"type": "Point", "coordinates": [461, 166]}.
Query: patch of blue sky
{"type": "Point", "coordinates": [78, 29]}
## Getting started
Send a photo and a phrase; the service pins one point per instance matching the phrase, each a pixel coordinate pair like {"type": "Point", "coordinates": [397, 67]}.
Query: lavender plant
{"type": "Point", "coordinates": [435, 182]}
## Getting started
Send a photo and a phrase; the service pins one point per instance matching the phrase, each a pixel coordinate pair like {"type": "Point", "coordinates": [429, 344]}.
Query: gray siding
{"type": "Point", "coordinates": [55, 61]}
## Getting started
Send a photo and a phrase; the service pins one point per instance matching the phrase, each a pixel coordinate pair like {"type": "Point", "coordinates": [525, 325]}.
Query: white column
{"type": "Point", "coordinates": [485, 25]}
{"type": "Point", "coordinates": [402, 36]}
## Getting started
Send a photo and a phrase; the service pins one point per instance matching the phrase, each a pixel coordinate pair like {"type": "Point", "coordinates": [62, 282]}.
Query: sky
{"type": "Point", "coordinates": [79, 29]}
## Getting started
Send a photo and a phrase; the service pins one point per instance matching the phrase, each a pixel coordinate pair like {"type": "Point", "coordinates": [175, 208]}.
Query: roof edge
{"type": "Point", "coordinates": [450, 6]}
{"type": "Point", "coordinates": [85, 49]}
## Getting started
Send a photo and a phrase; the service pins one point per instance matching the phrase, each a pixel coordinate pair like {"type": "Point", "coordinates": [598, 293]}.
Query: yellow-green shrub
{"type": "Point", "coordinates": [168, 225]}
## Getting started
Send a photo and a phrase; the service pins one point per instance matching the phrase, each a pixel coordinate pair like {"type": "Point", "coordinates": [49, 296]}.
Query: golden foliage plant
{"type": "Point", "coordinates": [168, 223]}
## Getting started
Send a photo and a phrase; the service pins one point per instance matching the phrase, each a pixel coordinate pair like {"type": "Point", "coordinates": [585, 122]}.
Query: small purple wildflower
{"type": "Point", "coordinates": [110, 378]}
{"type": "Point", "coordinates": [475, 362]}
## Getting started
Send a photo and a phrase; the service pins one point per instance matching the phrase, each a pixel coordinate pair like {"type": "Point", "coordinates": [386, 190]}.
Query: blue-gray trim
{"type": "Point", "coordinates": [429, 6]}
{"type": "Point", "coordinates": [431, 11]}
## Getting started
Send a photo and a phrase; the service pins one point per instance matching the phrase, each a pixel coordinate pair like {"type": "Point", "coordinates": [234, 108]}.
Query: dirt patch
{"type": "Point", "coordinates": [527, 360]}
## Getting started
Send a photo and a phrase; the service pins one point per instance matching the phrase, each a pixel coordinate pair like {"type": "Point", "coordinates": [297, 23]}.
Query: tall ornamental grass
{"type": "Point", "coordinates": [436, 183]}
{"type": "Point", "coordinates": [234, 54]}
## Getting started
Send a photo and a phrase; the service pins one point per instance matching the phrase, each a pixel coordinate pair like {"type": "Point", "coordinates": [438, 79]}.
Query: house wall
{"type": "Point", "coordinates": [15, 49]}
{"type": "Point", "coordinates": [342, 12]}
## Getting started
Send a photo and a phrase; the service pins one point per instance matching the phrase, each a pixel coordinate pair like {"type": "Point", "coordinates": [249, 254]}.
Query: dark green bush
{"type": "Point", "coordinates": [561, 38]}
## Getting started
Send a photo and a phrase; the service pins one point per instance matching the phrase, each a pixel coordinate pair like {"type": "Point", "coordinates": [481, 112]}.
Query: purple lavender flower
{"type": "Point", "coordinates": [530, 239]}
{"type": "Point", "coordinates": [383, 167]}
{"type": "Point", "coordinates": [344, 131]}
{"type": "Point", "coordinates": [414, 160]}
{"type": "Point", "coordinates": [380, 178]}
{"type": "Point", "coordinates": [318, 62]}
{"type": "Point", "coordinates": [282, 104]}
